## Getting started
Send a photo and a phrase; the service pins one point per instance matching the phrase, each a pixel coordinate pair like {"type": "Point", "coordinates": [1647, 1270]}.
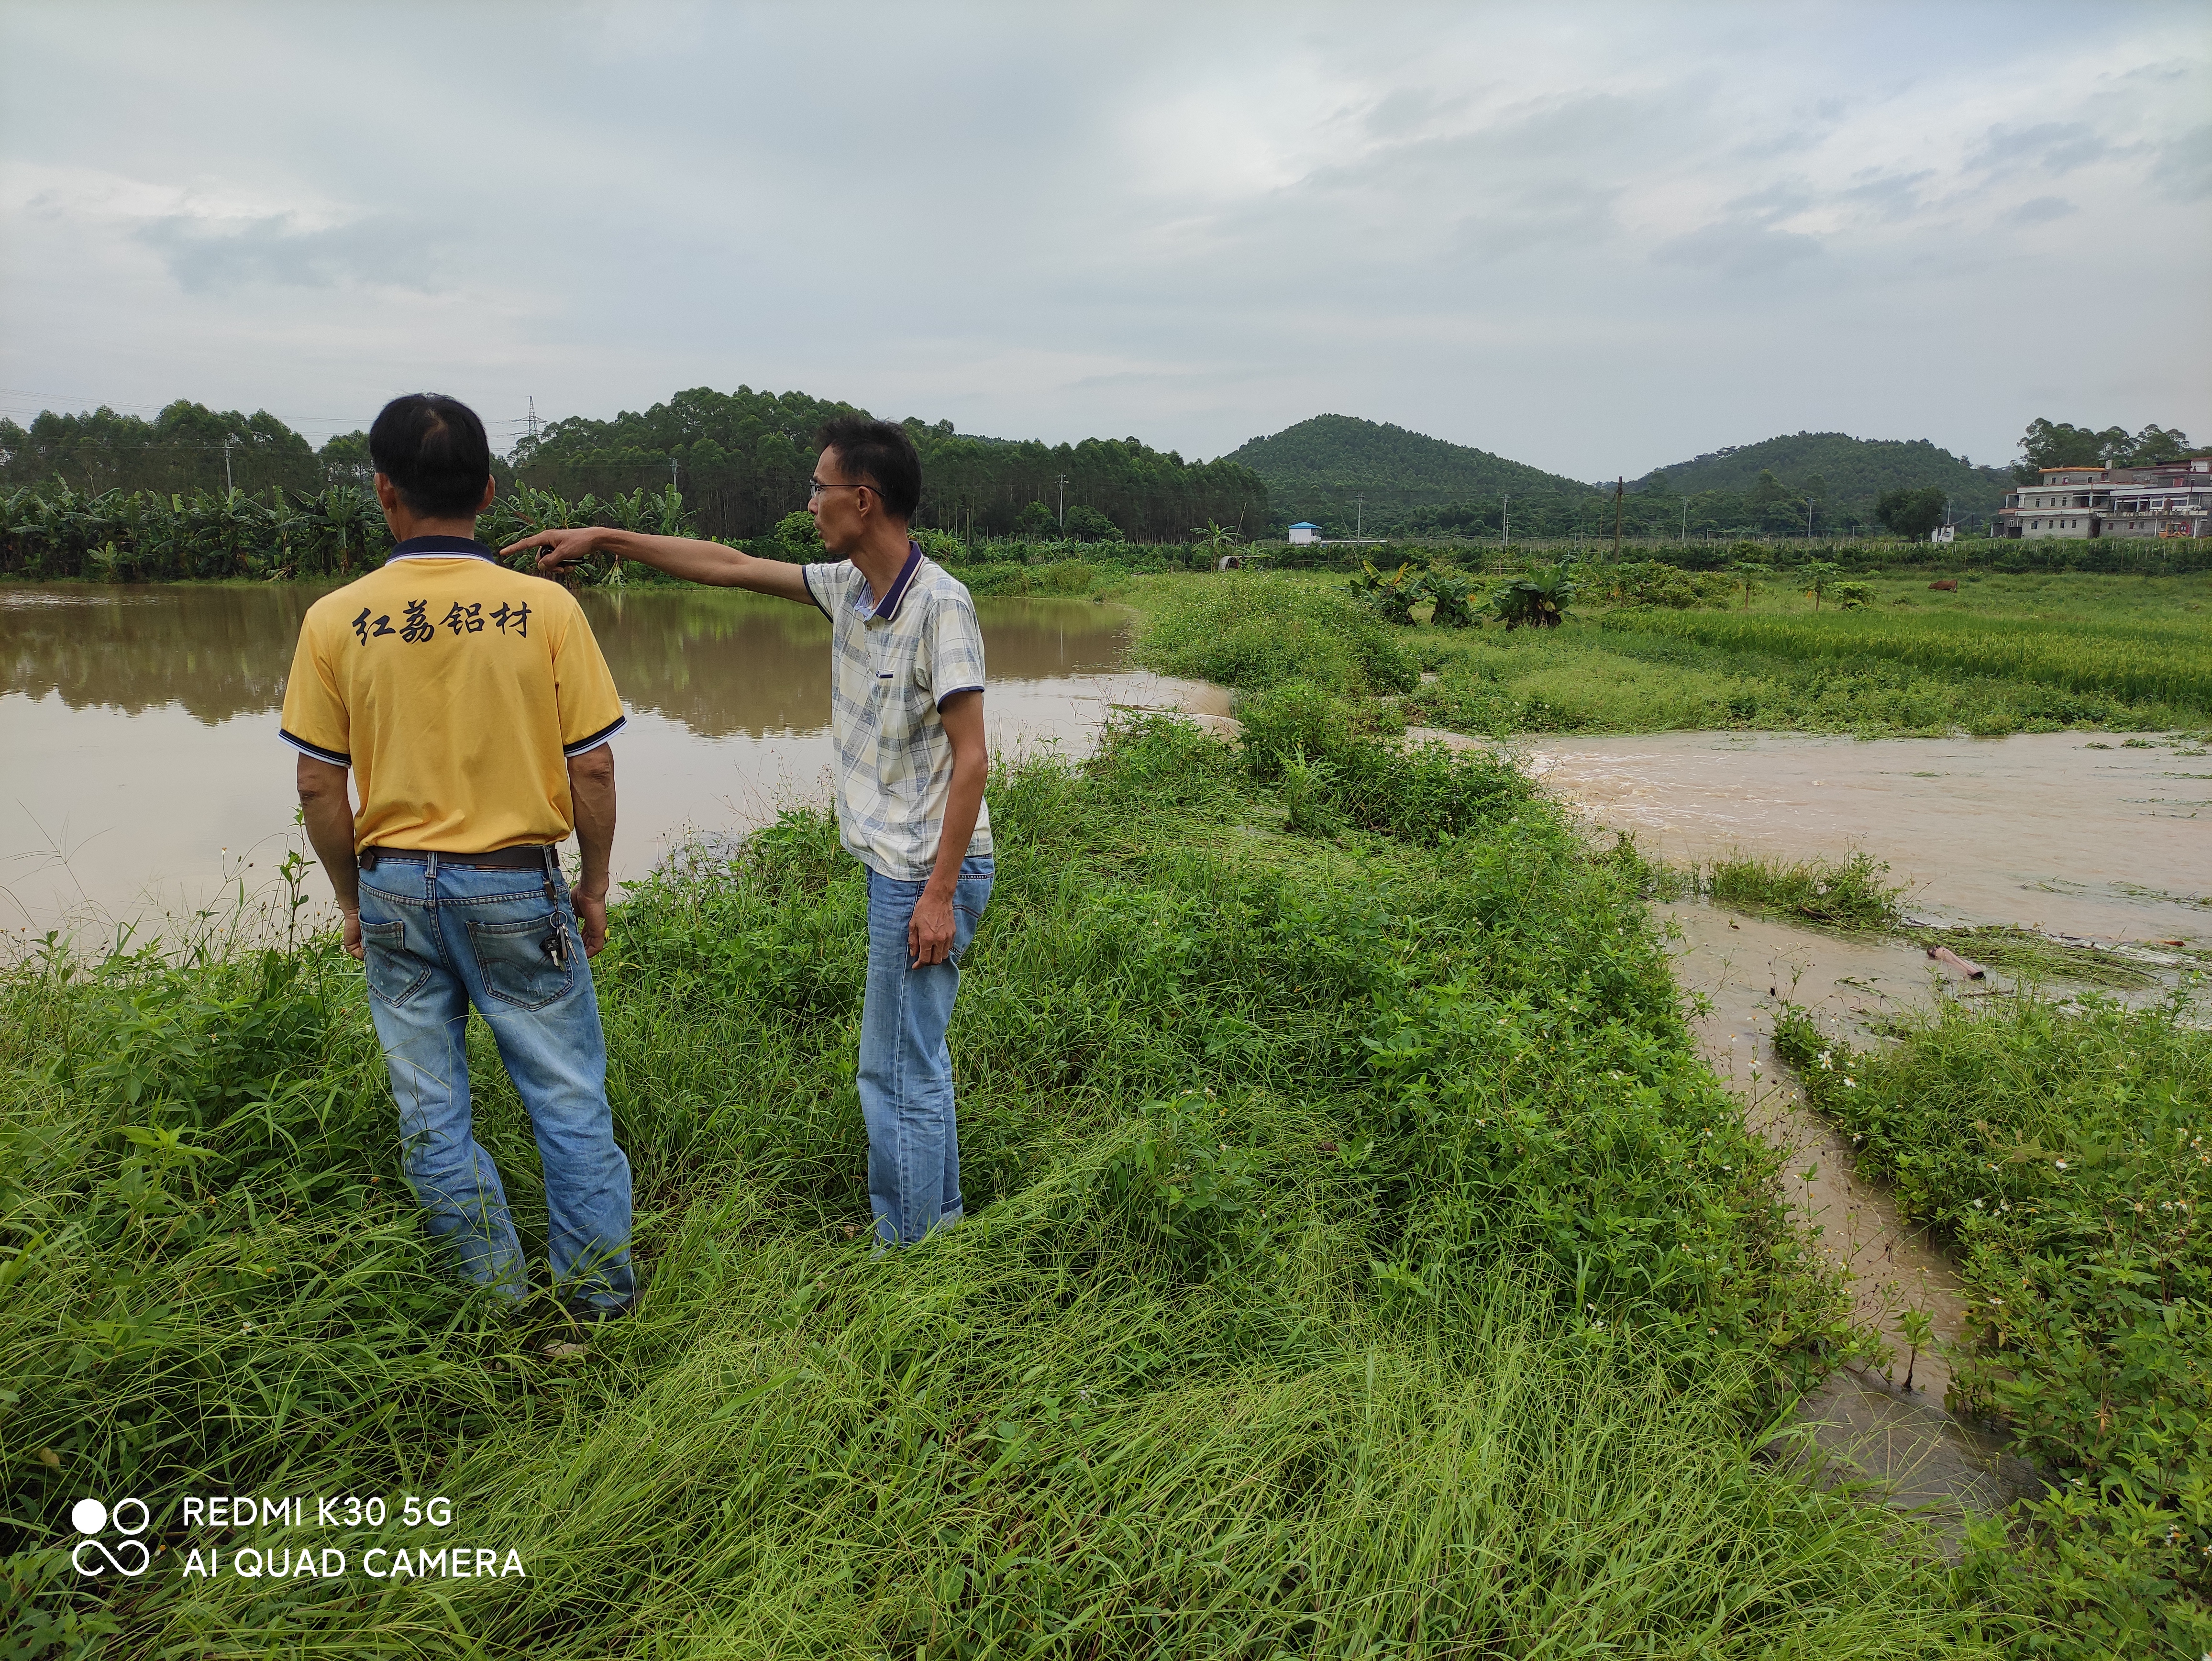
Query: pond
{"type": "Point", "coordinates": [144, 778]}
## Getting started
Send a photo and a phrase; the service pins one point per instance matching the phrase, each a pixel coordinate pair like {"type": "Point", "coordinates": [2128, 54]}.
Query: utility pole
{"type": "Point", "coordinates": [1620, 503]}
{"type": "Point", "coordinates": [227, 487]}
{"type": "Point", "coordinates": [530, 424]}
{"type": "Point", "coordinates": [1808, 519]}
{"type": "Point", "coordinates": [1358, 516]}
{"type": "Point", "coordinates": [1685, 519]}
{"type": "Point", "coordinates": [672, 473]}
{"type": "Point", "coordinates": [1062, 481]}
{"type": "Point", "coordinates": [1509, 521]}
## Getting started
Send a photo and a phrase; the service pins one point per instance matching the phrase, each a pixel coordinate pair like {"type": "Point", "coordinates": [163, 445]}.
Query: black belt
{"type": "Point", "coordinates": [537, 858]}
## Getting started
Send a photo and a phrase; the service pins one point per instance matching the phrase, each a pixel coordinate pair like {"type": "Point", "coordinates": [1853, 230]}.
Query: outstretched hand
{"type": "Point", "coordinates": [558, 550]}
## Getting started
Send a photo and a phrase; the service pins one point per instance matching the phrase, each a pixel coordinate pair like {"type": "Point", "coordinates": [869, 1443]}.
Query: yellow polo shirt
{"type": "Point", "coordinates": [456, 690]}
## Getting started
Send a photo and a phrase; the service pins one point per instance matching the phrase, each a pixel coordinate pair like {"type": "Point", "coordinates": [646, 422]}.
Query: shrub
{"type": "Point", "coordinates": [1854, 596]}
{"type": "Point", "coordinates": [1298, 736]}
{"type": "Point", "coordinates": [1255, 629]}
{"type": "Point", "coordinates": [1654, 583]}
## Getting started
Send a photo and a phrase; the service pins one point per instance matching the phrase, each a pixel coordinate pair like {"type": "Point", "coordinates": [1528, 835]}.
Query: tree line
{"type": "Point", "coordinates": [273, 534]}
{"type": "Point", "coordinates": [743, 458]}
{"type": "Point", "coordinates": [186, 449]}
{"type": "Point", "coordinates": [741, 461]}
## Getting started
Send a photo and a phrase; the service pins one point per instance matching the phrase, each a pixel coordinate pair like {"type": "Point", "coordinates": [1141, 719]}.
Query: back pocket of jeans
{"type": "Point", "coordinates": [516, 967]}
{"type": "Point", "coordinates": [395, 974]}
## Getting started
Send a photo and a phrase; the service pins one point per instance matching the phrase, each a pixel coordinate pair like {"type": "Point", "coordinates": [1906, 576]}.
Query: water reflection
{"type": "Point", "coordinates": [719, 662]}
{"type": "Point", "coordinates": [137, 725]}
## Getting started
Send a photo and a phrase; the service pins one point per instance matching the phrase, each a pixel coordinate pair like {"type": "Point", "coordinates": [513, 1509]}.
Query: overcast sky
{"type": "Point", "coordinates": [1593, 238]}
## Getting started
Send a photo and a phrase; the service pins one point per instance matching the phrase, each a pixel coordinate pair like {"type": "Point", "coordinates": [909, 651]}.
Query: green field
{"type": "Point", "coordinates": [1359, 1260]}
{"type": "Point", "coordinates": [2004, 654]}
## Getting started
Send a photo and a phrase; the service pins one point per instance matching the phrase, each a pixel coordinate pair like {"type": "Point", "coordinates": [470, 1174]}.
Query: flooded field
{"type": "Point", "coordinates": [2077, 834]}
{"type": "Point", "coordinates": [139, 726]}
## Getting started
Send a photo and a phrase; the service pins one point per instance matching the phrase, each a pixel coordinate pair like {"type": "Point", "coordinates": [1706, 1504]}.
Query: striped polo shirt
{"type": "Point", "coordinates": [893, 661]}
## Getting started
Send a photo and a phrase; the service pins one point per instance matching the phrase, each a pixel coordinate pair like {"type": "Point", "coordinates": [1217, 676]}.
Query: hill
{"type": "Point", "coordinates": [1855, 470]}
{"type": "Point", "coordinates": [1314, 469]}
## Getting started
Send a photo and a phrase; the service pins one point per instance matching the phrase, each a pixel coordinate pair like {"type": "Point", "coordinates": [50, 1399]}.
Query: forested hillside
{"type": "Point", "coordinates": [741, 461]}
{"type": "Point", "coordinates": [1413, 484]}
{"type": "Point", "coordinates": [1313, 471]}
{"type": "Point", "coordinates": [1852, 472]}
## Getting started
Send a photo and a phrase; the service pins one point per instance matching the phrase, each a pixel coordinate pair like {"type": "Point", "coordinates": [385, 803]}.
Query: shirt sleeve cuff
{"type": "Point", "coordinates": [805, 577]}
{"type": "Point", "coordinates": [956, 691]}
{"type": "Point", "coordinates": [572, 751]}
{"type": "Point", "coordinates": [335, 758]}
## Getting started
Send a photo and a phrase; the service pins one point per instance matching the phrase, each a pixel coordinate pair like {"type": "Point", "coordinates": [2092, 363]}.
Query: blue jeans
{"type": "Point", "coordinates": [438, 938]}
{"type": "Point", "coordinates": [906, 1067]}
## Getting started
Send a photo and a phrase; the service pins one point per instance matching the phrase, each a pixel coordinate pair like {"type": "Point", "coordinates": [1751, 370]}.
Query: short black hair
{"type": "Point", "coordinates": [880, 454]}
{"type": "Point", "coordinates": [434, 450]}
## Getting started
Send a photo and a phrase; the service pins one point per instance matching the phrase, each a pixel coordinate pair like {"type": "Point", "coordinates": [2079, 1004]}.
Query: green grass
{"type": "Point", "coordinates": [2004, 654]}
{"type": "Point", "coordinates": [2064, 1154]}
{"type": "Point", "coordinates": [1846, 893]}
{"type": "Point", "coordinates": [1250, 629]}
{"type": "Point", "coordinates": [2164, 662]}
{"type": "Point", "coordinates": [1359, 1261]}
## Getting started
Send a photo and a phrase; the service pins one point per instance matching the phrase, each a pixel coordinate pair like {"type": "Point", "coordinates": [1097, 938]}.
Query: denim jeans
{"type": "Point", "coordinates": [906, 1067]}
{"type": "Point", "coordinates": [438, 938]}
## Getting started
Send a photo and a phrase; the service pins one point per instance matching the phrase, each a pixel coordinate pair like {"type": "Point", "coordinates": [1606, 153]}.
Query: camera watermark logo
{"type": "Point", "coordinates": [93, 1556]}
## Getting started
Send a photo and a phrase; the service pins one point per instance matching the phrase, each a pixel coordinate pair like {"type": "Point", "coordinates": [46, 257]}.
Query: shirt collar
{"type": "Point", "coordinates": [887, 607]}
{"type": "Point", "coordinates": [440, 548]}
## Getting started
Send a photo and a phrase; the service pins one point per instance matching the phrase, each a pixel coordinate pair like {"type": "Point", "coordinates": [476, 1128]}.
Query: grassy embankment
{"type": "Point", "coordinates": [2004, 654]}
{"type": "Point", "coordinates": [1359, 1259]}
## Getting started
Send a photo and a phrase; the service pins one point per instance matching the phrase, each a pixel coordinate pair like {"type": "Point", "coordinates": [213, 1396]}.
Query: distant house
{"type": "Point", "coordinates": [2171, 499]}
{"type": "Point", "coordinates": [1305, 531]}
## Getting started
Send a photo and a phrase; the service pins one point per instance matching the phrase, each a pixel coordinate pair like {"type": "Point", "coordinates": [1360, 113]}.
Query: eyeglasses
{"type": "Point", "coordinates": [815, 487]}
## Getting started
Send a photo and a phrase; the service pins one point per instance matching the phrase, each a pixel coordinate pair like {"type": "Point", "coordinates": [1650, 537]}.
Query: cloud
{"type": "Point", "coordinates": [1131, 217]}
{"type": "Point", "coordinates": [1741, 249]}
{"type": "Point", "coordinates": [211, 257]}
{"type": "Point", "coordinates": [2184, 168]}
{"type": "Point", "coordinates": [2040, 211]}
{"type": "Point", "coordinates": [2053, 146]}
{"type": "Point", "coordinates": [1891, 196]}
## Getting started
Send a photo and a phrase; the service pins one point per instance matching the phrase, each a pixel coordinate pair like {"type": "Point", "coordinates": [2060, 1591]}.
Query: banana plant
{"type": "Point", "coordinates": [1538, 600]}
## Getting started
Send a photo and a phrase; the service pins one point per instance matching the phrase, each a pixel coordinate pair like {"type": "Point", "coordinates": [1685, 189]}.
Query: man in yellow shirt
{"type": "Point", "coordinates": [473, 708]}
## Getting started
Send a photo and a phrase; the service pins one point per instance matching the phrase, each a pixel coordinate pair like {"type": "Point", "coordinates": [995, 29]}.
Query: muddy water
{"type": "Point", "coordinates": [2052, 832]}
{"type": "Point", "coordinates": [140, 770]}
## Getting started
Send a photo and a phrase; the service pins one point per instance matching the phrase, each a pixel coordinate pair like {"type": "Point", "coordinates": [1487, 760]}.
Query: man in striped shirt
{"type": "Point", "coordinates": [906, 718]}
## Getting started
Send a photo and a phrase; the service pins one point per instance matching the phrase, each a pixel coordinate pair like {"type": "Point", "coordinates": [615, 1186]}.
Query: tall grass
{"type": "Point", "coordinates": [1846, 893]}
{"type": "Point", "coordinates": [1612, 677]}
{"type": "Point", "coordinates": [2166, 662]}
{"type": "Point", "coordinates": [1358, 1260]}
{"type": "Point", "coordinates": [1250, 629]}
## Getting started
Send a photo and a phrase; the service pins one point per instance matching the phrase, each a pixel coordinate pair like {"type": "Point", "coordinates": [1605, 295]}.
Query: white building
{"type": "Point", "coordinates": [2172, 499]}
{"type": "Point", "coordinates": [1305, 531]}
